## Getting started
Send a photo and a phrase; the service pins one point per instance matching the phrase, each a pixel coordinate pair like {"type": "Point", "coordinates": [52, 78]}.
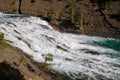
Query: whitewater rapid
{"type": "Point", "coordinates": [76, 56]}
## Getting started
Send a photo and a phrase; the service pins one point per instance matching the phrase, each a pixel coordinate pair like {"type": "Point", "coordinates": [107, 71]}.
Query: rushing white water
{"type": "Point", "coordinates": [77, 56]}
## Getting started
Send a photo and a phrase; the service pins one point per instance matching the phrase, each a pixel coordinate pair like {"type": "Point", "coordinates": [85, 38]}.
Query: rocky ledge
{"type": "Point", "coordinates": [89, 17]}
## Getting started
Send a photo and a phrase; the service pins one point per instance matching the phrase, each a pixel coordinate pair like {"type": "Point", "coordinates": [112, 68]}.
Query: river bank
{"type": "Point", "coordinates": [28, 68]}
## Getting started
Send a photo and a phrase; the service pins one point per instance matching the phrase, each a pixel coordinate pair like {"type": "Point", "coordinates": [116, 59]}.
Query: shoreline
{"type": "Point", "coordinates": [46, 73]}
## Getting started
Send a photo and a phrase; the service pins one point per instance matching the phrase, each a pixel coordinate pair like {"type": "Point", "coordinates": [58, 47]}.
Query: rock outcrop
{"type": "Point", "coordinates": [90, 17]}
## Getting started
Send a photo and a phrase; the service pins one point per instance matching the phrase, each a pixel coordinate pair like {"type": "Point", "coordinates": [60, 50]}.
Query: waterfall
{"type": "Point", "coordinates": [76, 56]}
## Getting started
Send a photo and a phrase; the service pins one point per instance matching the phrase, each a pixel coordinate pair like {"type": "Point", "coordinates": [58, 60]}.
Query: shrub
{"type": "Point", "coordinates": [48, 58]}
{"type": "Point", "coordinates": [77, 18]}
{"type": "Point", "coordinates": [72, 10]}
{"type": "Point", "coordinates": [42, 13]}
{"type": "Point", "coordinates": [22, 59]}
{"type": "Point", "coordinates": [13, 2]}
{"type": "Point", "coordinates": [1, 37]}
{"type": "Point", "coordinates": [2, 41]}
{"type": "Point", "coordinates": [51, 15]}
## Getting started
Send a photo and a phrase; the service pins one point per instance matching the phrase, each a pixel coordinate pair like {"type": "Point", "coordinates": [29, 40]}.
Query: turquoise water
{"type": "Point", "coordinates": [109, 43]}
{"type": "Point", "coordinates": [103, 42]}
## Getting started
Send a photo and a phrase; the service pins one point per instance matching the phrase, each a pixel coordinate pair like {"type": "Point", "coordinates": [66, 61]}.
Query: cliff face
{"type": "Point", "coordinates": [10, 6]}
{"type": "Point", "coordinates": [91, 17]}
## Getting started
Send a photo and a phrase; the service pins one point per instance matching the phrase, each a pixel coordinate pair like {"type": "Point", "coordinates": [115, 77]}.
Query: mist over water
{"type": "Point", "coordinates": [78, 57]}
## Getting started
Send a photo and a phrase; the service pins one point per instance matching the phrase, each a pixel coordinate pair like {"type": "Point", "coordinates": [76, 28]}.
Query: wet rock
{"type": "Point", "coordinates": [9, 73]}
{"type": "Point", "coordinates": [30, 68]}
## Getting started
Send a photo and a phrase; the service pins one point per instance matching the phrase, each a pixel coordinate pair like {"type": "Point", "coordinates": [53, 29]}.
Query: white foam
{"type": "Point", "coordinates": [1, 13]}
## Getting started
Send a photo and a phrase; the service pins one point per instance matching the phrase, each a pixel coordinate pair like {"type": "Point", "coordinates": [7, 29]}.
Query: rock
{"type": "Point", "coordinates": [9, 73]}
{"type": "Point", "coordinates": [87, 16]}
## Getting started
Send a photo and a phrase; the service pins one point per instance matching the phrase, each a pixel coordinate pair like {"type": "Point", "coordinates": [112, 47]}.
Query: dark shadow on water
{"type": "Point", "coordinates": [90, 51]}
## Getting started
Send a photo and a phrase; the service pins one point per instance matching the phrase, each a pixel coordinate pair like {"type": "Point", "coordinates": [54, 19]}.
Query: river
{"type": "Point", "coordinates": [78, 57]}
